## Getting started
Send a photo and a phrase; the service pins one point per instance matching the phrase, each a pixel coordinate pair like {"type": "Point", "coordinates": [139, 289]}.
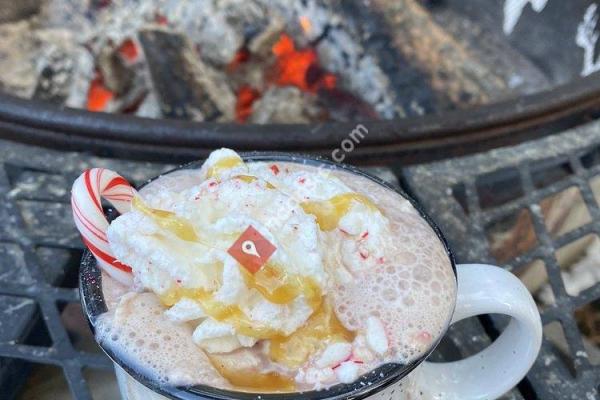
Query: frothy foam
{"type": "Point", "coordinates": [411, 290]}
{"type": "Point", "coordinates": [138, 331]}
{"type": "Point", "coordinates": [387, 276]}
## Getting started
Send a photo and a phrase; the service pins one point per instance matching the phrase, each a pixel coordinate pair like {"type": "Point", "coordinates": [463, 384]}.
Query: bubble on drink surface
{"type": "Point", "coordinates": [389, 294]}
{"type": "Point", "coordinates": [139, 340]}
{"type": "Point", "coordinates": [408, 301]}
{"type": "Point", "coordinates": [422, 274]}
{"type": "Point", "coordinates": [402, 289]}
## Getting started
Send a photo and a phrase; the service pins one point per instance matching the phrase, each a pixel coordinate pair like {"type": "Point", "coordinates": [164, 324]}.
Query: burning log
{"type": "Point", "coordinates": [359, 73]}
{"type": "Point", "coordinates": [121, 82]}
{"type": "Point", "coordinates": [290, 68]}
{"type": "Point", "coordinates": [187, 88]}
{"type": "Point", "coordinates": [345, 49]}
{"type": "Point", "coordinates": [493, 51]}
{"type": "Point", "coordinates": [262, 43]}
{"type": "Point", "coordinates": [452, 71]}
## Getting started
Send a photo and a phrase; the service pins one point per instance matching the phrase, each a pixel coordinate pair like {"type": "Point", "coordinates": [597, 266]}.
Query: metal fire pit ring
{"type": "Point", "coordinates": [409, 140]}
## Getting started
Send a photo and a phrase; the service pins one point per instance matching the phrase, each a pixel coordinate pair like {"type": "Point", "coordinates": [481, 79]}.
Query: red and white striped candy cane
{"type": "Point", "coordinates": [89, 216]}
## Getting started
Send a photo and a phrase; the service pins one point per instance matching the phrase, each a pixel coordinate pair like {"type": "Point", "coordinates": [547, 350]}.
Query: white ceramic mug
{"type": "Point", "coordinates": [482, 289]}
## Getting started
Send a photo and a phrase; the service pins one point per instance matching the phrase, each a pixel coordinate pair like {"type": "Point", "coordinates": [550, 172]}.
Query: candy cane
{"type": "Point", "coordinates": [89, 216]}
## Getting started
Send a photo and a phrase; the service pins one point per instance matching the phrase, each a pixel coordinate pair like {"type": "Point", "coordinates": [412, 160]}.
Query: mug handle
{"type": "Point", "coordinates": [486, 289]}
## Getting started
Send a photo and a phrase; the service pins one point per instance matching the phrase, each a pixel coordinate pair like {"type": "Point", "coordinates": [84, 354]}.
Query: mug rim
{"type": "Point", "coordinates": [374, 381]}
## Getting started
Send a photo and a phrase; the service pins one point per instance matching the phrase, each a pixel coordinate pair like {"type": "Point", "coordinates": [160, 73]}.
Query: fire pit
{"type": "Point", "coordinates": [428, 79]}
{"type": "Point", "coordinates": [251, 61]}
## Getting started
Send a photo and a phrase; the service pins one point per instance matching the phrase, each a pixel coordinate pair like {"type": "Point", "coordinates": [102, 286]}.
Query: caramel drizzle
{"type": "Point", "coordinates": [322, 328]}
{"type": "Point", "coordinates": [329, 212]}
{"type": "Point", "coordinates": [246, 380]}
{"type": "Point", "coordinates": [274, 284]}
{"type": "Point", "coordinates": [214, 171]}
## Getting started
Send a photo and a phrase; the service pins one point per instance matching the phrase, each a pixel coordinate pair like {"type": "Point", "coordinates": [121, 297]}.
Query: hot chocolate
{"type": "Point", "coordinates": [272, 277]}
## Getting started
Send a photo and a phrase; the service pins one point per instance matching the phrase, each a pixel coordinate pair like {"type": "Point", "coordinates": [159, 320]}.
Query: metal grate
{"type": "Point", "coordinates": [40, 251]}
{"type": "Point", "coordinates": [511, 190]}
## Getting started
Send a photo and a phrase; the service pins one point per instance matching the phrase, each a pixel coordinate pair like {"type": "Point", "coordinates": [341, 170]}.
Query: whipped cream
{"type": "Point", "coordinates": [329, 237]}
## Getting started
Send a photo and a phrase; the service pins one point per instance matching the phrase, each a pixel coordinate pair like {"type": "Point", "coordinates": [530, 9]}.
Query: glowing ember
{"type": "Point", "coordinates": [245, 98]}
{"type": "Point", "coordinates": [292, 67]}
{"type": "Point", "coordinates": [240, 57]}
{"type": "Point", "coordinates": [98, 96]}
{"type": "Point", "coordinates": [129, 50]}
{"type": "Point", "coordinates": [299, 68]}
{"type": "Point", "coordinates": [161, 19]}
